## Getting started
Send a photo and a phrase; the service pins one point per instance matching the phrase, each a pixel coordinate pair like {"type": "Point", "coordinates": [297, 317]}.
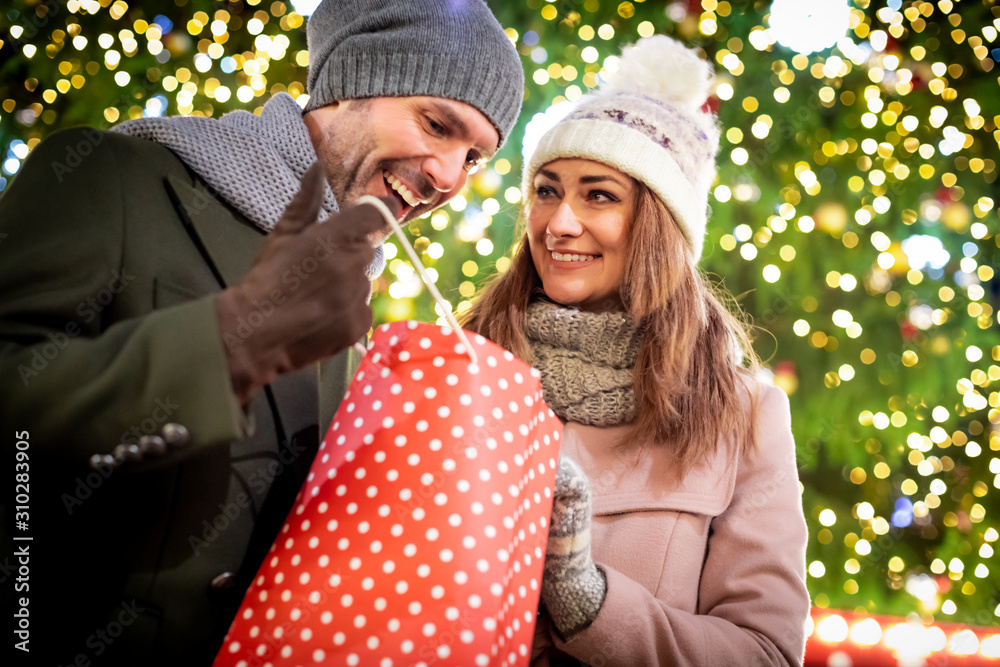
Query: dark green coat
{"type": "Point", "coordinates": [111, 250]}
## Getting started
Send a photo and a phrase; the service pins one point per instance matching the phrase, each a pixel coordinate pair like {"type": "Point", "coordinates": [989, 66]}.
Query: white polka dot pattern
{"type": "Point", "coordinates": [419, 536]}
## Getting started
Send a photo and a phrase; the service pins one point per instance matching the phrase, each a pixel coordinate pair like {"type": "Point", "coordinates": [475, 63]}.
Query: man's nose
{"type": "Point", "coordinates": [445, 171]}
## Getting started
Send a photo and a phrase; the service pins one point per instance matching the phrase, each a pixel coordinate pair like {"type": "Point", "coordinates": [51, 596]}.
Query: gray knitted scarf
{"type": "Point", "coordinates": [255, 163]}
{"type": "Point", "coordinates": [586, 362]}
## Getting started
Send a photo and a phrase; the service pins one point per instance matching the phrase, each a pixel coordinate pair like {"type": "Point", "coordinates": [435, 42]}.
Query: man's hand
{"type": "Point", "coordinates": [306, 294]}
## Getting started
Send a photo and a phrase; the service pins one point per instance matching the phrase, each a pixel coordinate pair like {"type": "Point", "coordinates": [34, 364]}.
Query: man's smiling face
{"type": "Point", "coordinates": [419, 150]}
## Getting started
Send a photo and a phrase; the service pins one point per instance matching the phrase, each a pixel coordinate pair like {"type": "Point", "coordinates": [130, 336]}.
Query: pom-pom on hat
{"type": "Point", "coordinates": [453, 49]}
{"type": "Point", "coordinates": [647, 121]}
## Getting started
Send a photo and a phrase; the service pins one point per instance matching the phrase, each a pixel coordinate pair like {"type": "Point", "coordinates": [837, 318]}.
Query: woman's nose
{"type": "Point", "coordinates": [564, 222]}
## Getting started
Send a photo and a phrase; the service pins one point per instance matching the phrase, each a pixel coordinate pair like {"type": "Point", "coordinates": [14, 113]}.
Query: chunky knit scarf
{"type": "Point", "coordinates": [586, 362]}
{"type": "Point", "coordinates": [255, 163]}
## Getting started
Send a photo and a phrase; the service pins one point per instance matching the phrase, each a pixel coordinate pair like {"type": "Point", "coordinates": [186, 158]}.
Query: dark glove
{"type": "Point", "coordinates": [306, 294]}
{"type": "Point", "coordinates": [573, 588]}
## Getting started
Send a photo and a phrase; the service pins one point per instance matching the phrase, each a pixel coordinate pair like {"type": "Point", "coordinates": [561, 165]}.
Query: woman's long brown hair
{"type": "Point", "coordinates": [694, 377]}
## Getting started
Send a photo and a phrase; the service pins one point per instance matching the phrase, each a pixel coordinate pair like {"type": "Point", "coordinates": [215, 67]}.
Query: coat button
{"type": "Point", "coordinates": [99, 461]}
{"type": "Point", "coordinates": [127, 452]}
{"type": "Point", "coordinates": [223, 581]}
{"type": "Point", "coordinates": [152, 445]}
{"type": "Point", "coordinates": [176, 435]}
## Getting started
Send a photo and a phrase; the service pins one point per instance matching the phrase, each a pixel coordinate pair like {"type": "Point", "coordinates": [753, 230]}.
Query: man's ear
{"type": "Point", "coordinates": [325, 109]}
{"type": "Point", "coordinates": [317, 119]}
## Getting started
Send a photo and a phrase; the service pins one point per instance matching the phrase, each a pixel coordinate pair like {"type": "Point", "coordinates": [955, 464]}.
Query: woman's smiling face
{"type": "Point", "coordinates": [577, 230]}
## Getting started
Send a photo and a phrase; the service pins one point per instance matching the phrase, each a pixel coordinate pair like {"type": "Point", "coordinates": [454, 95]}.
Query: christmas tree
{"type": "Point", "coordinates": [853, 217]}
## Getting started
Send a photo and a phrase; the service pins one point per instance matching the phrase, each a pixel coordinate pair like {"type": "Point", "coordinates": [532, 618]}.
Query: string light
{"type": "Point", "coordinates": [845, 637]}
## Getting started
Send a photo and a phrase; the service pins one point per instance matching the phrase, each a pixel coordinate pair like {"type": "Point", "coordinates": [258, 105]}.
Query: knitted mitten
{"type": "Point", "coordinates": [573, 588]}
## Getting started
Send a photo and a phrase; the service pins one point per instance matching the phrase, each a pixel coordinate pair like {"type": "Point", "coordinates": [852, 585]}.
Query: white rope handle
{"type": "Point", "coordinates": [418, 265]}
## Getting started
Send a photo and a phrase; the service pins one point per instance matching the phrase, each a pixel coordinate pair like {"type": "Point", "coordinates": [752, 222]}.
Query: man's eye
{"type": "Point", "coordinates": [436, 127]}
{"type": "Point", "coordinates": [473, 161]}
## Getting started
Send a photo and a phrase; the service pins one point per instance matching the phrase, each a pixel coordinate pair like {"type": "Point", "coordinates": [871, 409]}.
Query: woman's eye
{"type": "Point", "coordinates": [602, 196]}
{"type": "Point", "coordinates": [544, 191]}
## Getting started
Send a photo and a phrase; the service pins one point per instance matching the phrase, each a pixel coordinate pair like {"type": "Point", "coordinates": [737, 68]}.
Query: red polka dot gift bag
{"type": "Point", "coordinates": [419, 536]}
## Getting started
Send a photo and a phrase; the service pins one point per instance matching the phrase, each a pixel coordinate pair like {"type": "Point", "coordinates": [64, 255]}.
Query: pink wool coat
{"type": "Point", "coordinates": [708, 570]}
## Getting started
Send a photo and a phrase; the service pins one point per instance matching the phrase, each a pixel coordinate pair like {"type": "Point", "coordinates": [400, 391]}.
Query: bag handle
{"type": "Point", "coordinates": [418, 265]}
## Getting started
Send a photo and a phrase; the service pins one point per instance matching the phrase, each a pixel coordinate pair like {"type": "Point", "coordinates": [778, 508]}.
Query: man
{"type": "Point", "coordinates": [175, 326]}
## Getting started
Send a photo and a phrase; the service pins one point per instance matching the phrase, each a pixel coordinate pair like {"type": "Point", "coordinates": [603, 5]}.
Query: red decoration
{"type": "Point", "coordinates": [897, 641]}
{"type": "Point", "coordinates": [420, 533]}
{"type": "Point", "coordinates": [944, 195]}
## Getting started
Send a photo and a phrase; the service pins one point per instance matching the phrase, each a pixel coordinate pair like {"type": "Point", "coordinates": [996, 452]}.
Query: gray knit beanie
{"type": "Point", "coordinates": [453, 49]}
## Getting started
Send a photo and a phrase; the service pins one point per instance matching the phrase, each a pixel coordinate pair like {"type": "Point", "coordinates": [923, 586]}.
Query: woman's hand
{"type": "Point", "coordinates": [573, 588]}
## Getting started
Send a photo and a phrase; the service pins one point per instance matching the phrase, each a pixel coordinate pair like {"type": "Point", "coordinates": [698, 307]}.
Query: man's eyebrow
{"type": "Point", "coordinates": [461, 128]}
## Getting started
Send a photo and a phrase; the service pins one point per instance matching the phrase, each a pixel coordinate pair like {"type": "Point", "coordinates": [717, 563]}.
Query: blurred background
{"type": "Point", "coordinates": [854, 218]}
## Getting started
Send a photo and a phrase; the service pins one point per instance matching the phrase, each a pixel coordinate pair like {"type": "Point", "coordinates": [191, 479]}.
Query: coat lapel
{"type": "Point", "coordinates": [227, 243]}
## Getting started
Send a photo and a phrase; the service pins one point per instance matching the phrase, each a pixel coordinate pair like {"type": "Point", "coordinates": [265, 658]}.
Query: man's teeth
{"type": "Point", "coordinates": [560, 257]}
{"type": "Point", "coordinates": [404, 192]}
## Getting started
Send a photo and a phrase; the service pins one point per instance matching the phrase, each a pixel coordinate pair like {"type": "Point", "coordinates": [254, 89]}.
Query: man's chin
{"type": "Point", "coordinates": [419, 211]}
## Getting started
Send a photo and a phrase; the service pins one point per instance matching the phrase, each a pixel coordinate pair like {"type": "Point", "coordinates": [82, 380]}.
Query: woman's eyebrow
{"type": "Point", "coordinates": [600, 179]}
{"type": "Point", "coordinates": [586, 180]}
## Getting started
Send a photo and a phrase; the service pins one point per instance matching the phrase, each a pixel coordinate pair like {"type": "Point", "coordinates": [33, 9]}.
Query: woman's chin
{"type": "Point", "coordinates": [586, 303]}
{"type": "Point", "coordinates": [562, 299]}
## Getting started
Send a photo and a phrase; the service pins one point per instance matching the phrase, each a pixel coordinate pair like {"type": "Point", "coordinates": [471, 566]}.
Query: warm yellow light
{"type": "Point", "coordinates": [866, 633]}
{"type": "Point", "coordinates": [990, 647]}
{"type": "Point", "coordinates": [842, 317]}
{"type": "Point", "coordinates": [832, 629]}
{"type": "Point", "coordinates": [484, 246]}
{"type": "Point", "coordinates": [963, 642]}
{"type": "Point", "coordinates": [491, 206]}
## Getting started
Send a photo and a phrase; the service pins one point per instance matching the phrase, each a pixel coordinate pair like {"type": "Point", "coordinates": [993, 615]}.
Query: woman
{"type": "Point", "coordinates": [697, 549]}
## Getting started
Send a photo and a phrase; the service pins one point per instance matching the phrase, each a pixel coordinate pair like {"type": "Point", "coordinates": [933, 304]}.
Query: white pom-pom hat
{"type": "Point", "coordinates": [647, 121]}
